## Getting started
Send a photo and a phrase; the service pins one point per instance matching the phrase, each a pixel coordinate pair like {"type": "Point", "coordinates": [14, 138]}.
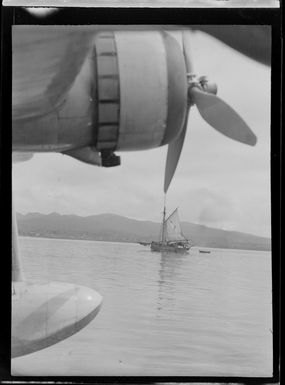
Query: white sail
{"type": "Point", "coordinates": [172, 228]}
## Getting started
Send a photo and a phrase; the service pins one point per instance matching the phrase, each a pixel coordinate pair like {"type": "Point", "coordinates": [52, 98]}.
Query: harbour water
{"type": "Point", "coordinates": [163, 314]}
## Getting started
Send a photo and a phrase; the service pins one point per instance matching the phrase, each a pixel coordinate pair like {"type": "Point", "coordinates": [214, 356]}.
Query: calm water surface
{"type": "Point", "coordinates": [163, 314]}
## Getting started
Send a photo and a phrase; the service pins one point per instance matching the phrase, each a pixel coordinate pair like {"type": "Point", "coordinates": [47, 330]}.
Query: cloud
{"type": "Point", "coordinates": [217, 210]}
{"type": "Point", "coordinates": [208, 207]}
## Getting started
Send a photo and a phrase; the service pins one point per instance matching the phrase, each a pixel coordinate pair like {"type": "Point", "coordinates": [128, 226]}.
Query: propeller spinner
{"type": "Point", "coordinates": [213, 110]}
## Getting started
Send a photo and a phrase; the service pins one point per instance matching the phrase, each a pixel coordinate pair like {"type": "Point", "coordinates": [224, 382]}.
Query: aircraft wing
{"type": "Point", "coordinates": [41, 76]}
{"type": "Point", "coordinates": [252, 41]}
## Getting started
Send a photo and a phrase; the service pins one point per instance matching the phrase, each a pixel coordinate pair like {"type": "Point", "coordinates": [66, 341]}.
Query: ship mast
{"type": "Point", "coordinates": [163, 222]}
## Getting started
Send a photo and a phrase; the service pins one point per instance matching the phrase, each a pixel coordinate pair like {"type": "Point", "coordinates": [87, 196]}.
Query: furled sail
{"type": "Point", "coordinates": [173, 230]}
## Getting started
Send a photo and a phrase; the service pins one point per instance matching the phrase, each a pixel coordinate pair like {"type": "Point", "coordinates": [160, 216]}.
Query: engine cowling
{"type": "Point", "coordinates": [130, 94]}
{"type": "Point", "coordinates": [141, 90]}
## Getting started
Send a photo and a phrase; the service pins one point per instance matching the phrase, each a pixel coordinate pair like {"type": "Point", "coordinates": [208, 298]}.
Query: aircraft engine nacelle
{"type": "Point", "coordinates": [130, 94]}
{"type": "Point", "coordinates": [141, 90]}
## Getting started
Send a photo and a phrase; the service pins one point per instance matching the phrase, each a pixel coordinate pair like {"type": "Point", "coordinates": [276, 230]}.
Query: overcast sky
{"type": "Point", "coordinates": [218, 182]}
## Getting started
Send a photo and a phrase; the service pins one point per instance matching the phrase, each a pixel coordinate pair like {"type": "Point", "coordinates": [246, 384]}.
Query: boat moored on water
{"type": "Point", "coordinates": [176, 247]}
{"type": "Point", "coordinates": [172, 237]}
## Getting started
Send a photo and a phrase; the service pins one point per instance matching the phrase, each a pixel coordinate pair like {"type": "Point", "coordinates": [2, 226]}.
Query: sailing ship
{"type": "Point", "coordinates": [172, 237]}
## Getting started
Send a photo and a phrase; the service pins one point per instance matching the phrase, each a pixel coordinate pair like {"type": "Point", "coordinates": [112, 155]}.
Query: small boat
{"type": "Point", "coordinates": [144, 243]}
{"type": "Point", "coordinates": [172, 238]}
{"type": "Point", "coordinates": [205, 251]}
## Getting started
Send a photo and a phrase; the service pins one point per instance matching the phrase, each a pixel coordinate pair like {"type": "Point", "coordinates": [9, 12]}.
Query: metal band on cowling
{"type": "Point", "coordinates": [108, 92]}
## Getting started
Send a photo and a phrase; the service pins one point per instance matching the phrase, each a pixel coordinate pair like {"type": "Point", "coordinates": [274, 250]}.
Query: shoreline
{"type": "Point", "coordinates": [134, 242]}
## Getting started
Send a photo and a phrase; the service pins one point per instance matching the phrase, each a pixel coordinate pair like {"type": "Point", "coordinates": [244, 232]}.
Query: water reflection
{"type": "Point", "coordinates": [169, 274]}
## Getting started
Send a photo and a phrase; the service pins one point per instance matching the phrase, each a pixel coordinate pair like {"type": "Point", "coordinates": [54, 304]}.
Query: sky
{"type": "Point", "coordinates": [218, 182]}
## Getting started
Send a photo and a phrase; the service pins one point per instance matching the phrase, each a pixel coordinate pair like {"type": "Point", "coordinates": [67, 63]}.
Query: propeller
{"type": "Point", "coordinates": [175, 147]}
{"type": "Point", "coordinates": [213, 110]}
{"type": "Point", "coordinates": [173, 155]}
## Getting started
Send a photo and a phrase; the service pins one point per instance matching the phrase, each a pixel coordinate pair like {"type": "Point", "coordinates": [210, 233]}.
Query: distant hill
{"type": "Point", "coordinates": [111, 227]}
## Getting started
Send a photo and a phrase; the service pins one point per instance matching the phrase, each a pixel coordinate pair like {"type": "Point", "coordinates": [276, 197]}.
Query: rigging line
{"type": "Point", "coordinates": [171, 214]}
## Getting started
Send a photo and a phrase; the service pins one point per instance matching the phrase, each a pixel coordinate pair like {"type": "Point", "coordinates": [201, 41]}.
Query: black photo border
{"type": "Point", "coordinates": [180, 16]}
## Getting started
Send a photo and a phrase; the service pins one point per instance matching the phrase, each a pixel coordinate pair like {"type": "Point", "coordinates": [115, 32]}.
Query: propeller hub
{"type": "Point", "coordinates": [207, 86]}
{"type": "Point", "coordinates": [202, 83]}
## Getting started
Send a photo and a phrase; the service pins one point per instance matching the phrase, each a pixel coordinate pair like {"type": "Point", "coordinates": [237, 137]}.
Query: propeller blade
{"type": "Point", "coordinates": [186, 39]}
{"type": "Point", "coordinates": [175, 147]}
{"type": "Point", "coordinates": [173, 155]}
{"type": "Point", "coordinates": [222, 117]}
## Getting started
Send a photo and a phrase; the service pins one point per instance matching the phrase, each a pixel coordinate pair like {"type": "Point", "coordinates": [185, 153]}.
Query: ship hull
{"type": "Point", "coordinates": [173, 248]}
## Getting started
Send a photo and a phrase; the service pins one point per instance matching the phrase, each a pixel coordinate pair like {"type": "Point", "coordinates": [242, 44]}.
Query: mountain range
{"type": "Point", "coordinates": [116, 228]}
